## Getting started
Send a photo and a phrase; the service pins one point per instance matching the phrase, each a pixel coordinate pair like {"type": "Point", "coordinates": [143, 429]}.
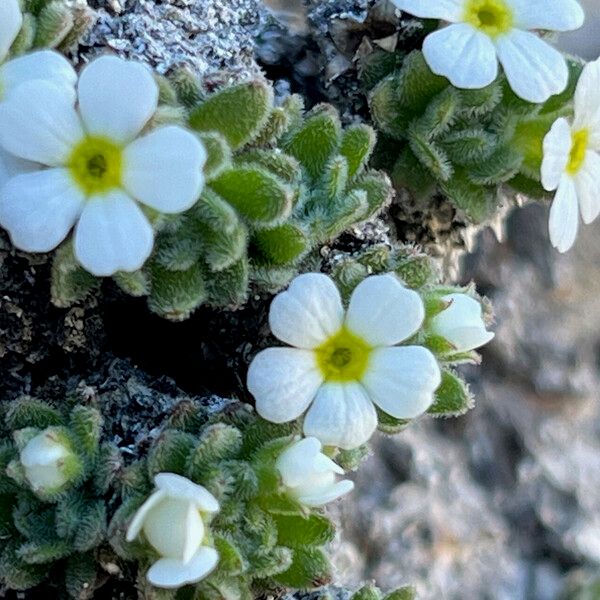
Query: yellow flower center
{"type": "Point", "coordinates": [492, 17]}
{"type": "Point", "coordinates": [579, 145]}
{"type": "Point", "coordinates": [96, 165]}
{"type": "Point", "coordinates": [343, 357]}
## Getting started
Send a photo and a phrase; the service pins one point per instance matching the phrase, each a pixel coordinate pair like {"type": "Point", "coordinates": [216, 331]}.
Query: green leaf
{"type": "Point", "coordinates": [407, 592]}
{"type": "Point", "coordinates": [294, 531]}
{"type": "Point", "coordinates": [255, 193]}
{"type": "Point", "coordinates": [286, 167]}
{"type": "Point", "coordinates": [70, 282]}
{"type": "Point", "coordinates": [238, 113]}
{"type": "Point", "coordinates": [170, 452]}
{"type": "Point", "coordinates": [86, 424]}
{"type": "Point", "coordinates": [37, 553]}
{"type": "Point", "coordinates": [379, 190]}
{"type": "Point", "coordinates": [269, 563]}
{"type": "Point", "coordinates": [334, 179]}
{"type": "Point", "coordinates": [136, 284]}
{"type": "Point", "coordinates": [476, 202]}
{"type": "Point", "coordinates": [408, 172]}
{"type": "Point", "coordinates": [17, 575]}
{"type": "Point", "coordinates": [316, 141]}
{"type": "Point", "coordinates": [429, 153]}
{"type": "Point", "coordinates": [452, 398]}
{"type": "Point", "coordinates": [229, 287]}
{"type": "Point", "coordinates": [310, 569]}
{"type": "Point", "coordinates": [231, 560]}
{"type": "Point", "coordinates": [327, 222]}
{"type": "Point", "coordinates": [108, 463]}
{"type": "Point", "coordinates": [416, 270]}
{"type": "Point", "coordinates": [175, 295]}
{"type": "Point", "coordinates": [54, 22]}
{"type": "Point", "coordinates": [91, 529]}
{"type": "Point", "coordinates": [477, 103]}
{"type": "Point", "coordinates": [367, 592]}
{"type": "Point", "coordinates": [282, 245]}
{"type": "Point", "coordinates": [469, 146]}
{"type": "Point", "coordinates": [80, 576]}
{"type": "Point", "coordinates": [222, 235]}
{"type": "Point", "coordinates": [388, 424]}
{"type": "Point", "coordinates": [219, 154]}
{"type": "Point", "coordinates": [30, 412]}
{"type": "Point", "coordinates": [499, 168]}
{"type": "Point", "coordinates": [358, 142]}
{"type": "Point", "coordinates": [350, 460]}
{"type": "Point", "coordinates": [217, 442]}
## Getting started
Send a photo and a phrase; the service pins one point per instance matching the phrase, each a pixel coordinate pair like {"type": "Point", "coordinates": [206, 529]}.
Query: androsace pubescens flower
{"type": "Point", "coordinates": [571, 163]}
{"type": "Point", "coordinates": [461, 323]}
{"type": "Point", "coordinates": [174, 521]}
{"type": "Point", "coordinates": [483, 32]}
{"type": "Point", "coordinates": [97, 166]}
{"type": "Point", "coordinates": [309, 476]}
{"type": "Point", "coordinates": [343, 363]}
{"type": "Point", "coordinates": [49, 462]}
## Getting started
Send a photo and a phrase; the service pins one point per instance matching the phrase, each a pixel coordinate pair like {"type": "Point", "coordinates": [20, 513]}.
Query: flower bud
{"type": "Point", "coordinates": [49, 462]}
{"type": "Point", "coordinates": [173, 520]}
{"type": "Point", "coordinates": [462, 323]}
{"type": "Point", "coordinates": [309, 476]}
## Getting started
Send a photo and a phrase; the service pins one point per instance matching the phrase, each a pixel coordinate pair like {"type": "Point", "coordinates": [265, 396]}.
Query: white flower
{"type": "Point", "coordinates": [49, 462]}
{"type": "Point", "coordinates": [96, 169]}
{"type": "Point", "coordinates": [481, 32]}
{"type": "Point", "coordinates": [173, 521]}
{"type": "Point", "coordinates": [461, 323]}
{"type": "Point", "coordinates": [342, 363]}
{"type": "Point", "coordinates": [571, 163]}
{"type": "Point", "coordinates": [44, 64]}
{"type": "Point", "coordinates": [309, 476]}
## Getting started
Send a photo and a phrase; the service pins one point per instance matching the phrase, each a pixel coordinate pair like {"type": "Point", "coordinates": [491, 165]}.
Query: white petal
{"type": "Point", "coordinates": [534, 69]}
{"type": "Point", "coordinates": [164, 169]}
{"type": "Point", "coordinates": [462, 54]}
{"type": "Point", "coordinates": [342, 415]}
{"type": "Point", "coordinates": [112, 235]}
{"type": "Point", "coordinates": [39, 123]}
{"type": "Point", "coordinates": [587, 184]}
{"type": "Point", "coordinates": [448, 10]}
{"type": "Point", "coordinates": [402, 381]}
{"type": "Point", "coordinates": [170, 573]}
{"type": "Point", "coordinates": [559, 15]}
{"type": "Point", "coordinates": [587, 103]}
{"type": "Point", "coordinates": [383, 312]}
{"type": "Point", "coordinates": [46, 65]}
{"type": "Point", "coordinates": [117, 97]}
{"type": "Point", "coordinates": [138, 519]}
{"type": "Point", "coordinates": [284, 382]}
{"type": "Point", "coordinates": [461, 323]}
{"type": "Point", "coordinates": [308, 312]}
{"type": "Point", "coordinates": [181, 487]}
{"type": "Point", "coordinates": [329, 494]}
{"type": "Point", "coordinates": [557, 150]}
{"type": "Point", "coordinates": [564, 215]}
{"type": "Point", "coordinates": [194, 532]}
{"type": "Point", "coordinates": [39, 209]}
{"type": "Point", "coordinates": [11, 20]}
{"type": "Point", "coordinates": [11, 166]}
{"type": "Point", "coordinates": [297, 462]}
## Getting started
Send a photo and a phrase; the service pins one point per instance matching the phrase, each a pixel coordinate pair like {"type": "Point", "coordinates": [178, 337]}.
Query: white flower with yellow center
{"type": "Point", "coordinates": [344, 362]}
{"type": "Point", "coordinates": [483, 32]}
{"type": "Point", "coordinates": [96, 170]}
{"type": "Point", "coordinates": [173, 521]}
{"type": "Point", "coordinates": [309, 476]}
{"type": "Point", "coordinates": [571, 163]}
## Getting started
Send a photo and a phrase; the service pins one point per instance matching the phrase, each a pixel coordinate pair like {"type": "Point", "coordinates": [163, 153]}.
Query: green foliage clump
{"type": "Point", "coordinates": [54, 535]}
{"type": "Point", "coordinates": [465, 144]}
{"type": "Point", "coordinates": [418, 272]}
{"type": "Point", "coordinates": [280, 182]}
{"type": "Point", "coordinates": [266, 540]}
{"type": "Point", "coordinates": [51, 24]}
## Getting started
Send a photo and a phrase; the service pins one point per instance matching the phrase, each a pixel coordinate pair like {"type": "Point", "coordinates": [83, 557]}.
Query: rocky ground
{"type": "Point", "coordinates": [502, 504]}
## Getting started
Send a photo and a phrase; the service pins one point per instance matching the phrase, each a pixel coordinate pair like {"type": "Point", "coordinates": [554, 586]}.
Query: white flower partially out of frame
{"type": "Point", "coordinates": [571, 163]}
{"type": "Point", "coordinates": [343, 363]}
{"type": "Point", "coordinates": [173, 522]}
{"type": "Point", "coordinates": [483, 32]}
{"type": "Point", "coordinates": [461, 323]}
{"type": "Point", "coordinates": [97, 170]}
{"type": "Point", "coordinates": [309, 476]}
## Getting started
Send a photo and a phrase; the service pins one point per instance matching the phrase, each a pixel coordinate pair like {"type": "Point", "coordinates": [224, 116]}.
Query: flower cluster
{"type": "Point", "coordinates": [346, 364]}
